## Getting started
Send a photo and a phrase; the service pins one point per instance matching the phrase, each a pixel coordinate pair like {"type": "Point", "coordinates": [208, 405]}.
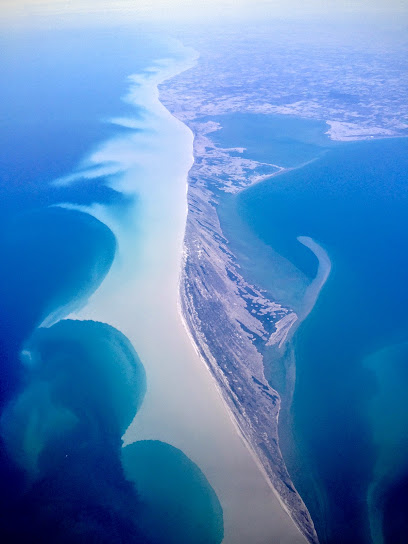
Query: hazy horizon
{"type": "Point", "coordinates": [174, 11]}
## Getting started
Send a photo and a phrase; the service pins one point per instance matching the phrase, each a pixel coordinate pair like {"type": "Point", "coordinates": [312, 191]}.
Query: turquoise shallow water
{"type": "Point", "coordinates": [181, 507]}
{"type": "Point", "coordinates": [352, 201]}
{"type": "Point", "coordinates": [69, 392]}
{"type": "Point", "coordinates": [83, 383]}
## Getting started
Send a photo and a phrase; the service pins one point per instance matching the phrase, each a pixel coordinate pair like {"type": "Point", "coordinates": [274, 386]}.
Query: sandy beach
{"type": "Point", "coordinates": [140, 297]}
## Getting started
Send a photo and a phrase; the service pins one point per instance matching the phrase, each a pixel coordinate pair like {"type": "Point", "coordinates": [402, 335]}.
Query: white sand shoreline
{"type": "Point", "coordinates": [140, 297]}
{"type": "Point", "coordinates": [232, 416]}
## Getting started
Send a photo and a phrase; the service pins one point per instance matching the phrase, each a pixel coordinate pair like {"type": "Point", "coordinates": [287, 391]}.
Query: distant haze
{"type": "Point", "coordinates": [168, 10]}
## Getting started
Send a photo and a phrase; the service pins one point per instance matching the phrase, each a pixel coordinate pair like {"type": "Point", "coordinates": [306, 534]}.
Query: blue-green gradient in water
{"type": "Point", "coordinates": [67, 393]}
{"type": "Point", "coordinates": [388, 414]}
{"type": "Point", "coordinates": [353, 201]}
{"type": "Point", "coordinates": [181, 506]}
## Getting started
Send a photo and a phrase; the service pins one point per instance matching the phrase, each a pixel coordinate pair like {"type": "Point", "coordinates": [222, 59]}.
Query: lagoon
{"type": "Point", "coordinates": [352, 201]}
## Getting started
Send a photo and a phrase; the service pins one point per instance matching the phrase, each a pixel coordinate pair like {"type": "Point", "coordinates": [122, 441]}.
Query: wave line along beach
{"type": "Point", "coordinates": [140, 298]}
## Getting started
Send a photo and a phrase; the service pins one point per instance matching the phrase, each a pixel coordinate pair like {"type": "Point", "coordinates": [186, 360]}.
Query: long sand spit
{"type": "Point", "coordinates": [140, 297]}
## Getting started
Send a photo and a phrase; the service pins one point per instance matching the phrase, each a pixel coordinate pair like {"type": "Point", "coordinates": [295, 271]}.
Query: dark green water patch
{"type": "Point", "coordinates": [182, 506]}
{"type": "Point", "coordinates": [83, 384]}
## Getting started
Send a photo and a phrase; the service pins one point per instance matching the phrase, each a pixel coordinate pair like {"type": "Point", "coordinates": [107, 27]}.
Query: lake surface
{"type": "Point", "coordinates": [347, 415]}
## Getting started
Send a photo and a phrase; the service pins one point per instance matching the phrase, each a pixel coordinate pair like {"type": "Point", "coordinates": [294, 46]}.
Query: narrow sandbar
{"type": "Point", "coordinates": [323, 272]}
{"type": "Point", "coordinates": [140, 297]}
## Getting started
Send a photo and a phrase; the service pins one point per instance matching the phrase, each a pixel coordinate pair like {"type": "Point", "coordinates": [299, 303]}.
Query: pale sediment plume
{"type": "Point", "coordinates": [323, 272]}
{"type": "Point", "coordinates": [140, 297]}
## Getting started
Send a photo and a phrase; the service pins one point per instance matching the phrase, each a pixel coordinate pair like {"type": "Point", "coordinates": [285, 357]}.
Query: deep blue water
{"type": "Point", "coordinates": [353, 201]}
{"type": "Point", "coordinates": [68, 392]}
{"type": "Point", "coordinates": [388, 416]}
{"type": "Point", "coordinates": [57, 88]}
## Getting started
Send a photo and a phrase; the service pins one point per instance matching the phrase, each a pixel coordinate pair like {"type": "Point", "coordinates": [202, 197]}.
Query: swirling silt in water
{"type": "Point", "coordinates": [83, 383]}
{"type": "Point", "coordinates": [63, 421]}
{"type": "Point", "coordinates": [81, 377]}
{"type": "Point", "coordinates": [51, 258]}
{"type": "Point", "coordinates": [182, 507]}
{"type": "Point", "coordinates": [388, 417]}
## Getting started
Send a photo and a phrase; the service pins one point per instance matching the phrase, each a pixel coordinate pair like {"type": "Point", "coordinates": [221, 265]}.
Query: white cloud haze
{"type": "Point", "coordinates": [199, 9]}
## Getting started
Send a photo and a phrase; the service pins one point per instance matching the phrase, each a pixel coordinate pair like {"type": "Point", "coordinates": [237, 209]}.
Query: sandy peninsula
{"type": "Point", "coordinates": [140, 297]}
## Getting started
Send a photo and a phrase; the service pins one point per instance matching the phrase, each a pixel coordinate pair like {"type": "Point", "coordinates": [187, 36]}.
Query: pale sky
{"type": "Point", "coordinates": [199, 9]}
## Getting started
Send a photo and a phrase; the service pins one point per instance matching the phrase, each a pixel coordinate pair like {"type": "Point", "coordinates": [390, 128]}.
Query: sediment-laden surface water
{"type": "Point", "coordinates": [111, 427]}
{"type": "Point", "coordinates": [347, 453]}
{"type": "Point", "coordinates": [70, 388]}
